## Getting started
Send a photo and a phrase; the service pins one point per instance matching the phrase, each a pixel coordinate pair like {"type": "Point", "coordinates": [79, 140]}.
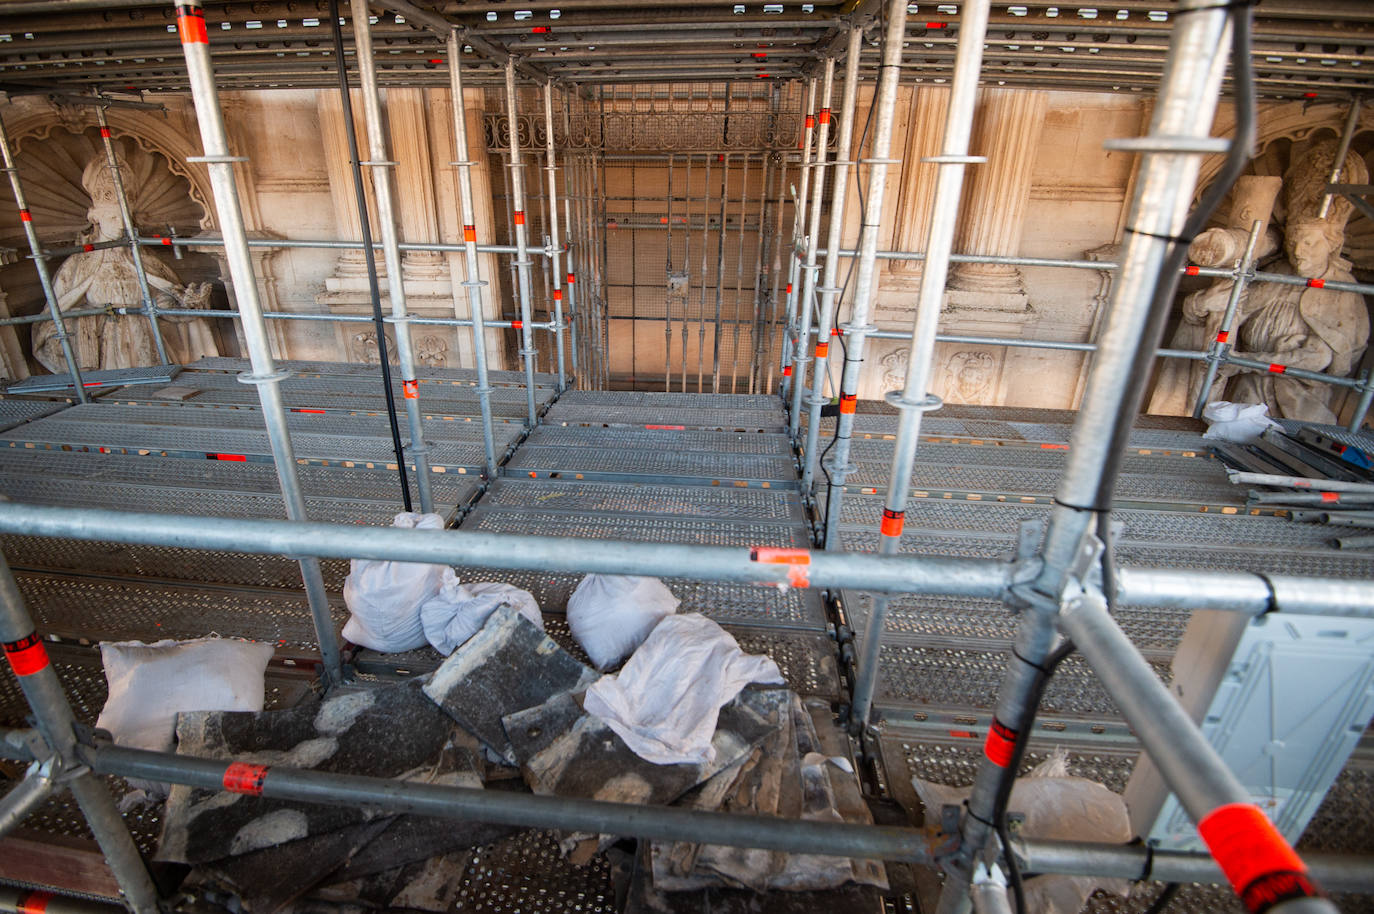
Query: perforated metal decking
{"type": "Point", "coordinates": [709, 470]}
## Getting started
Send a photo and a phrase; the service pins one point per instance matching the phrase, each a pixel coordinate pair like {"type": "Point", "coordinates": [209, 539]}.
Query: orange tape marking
{"type": "Point", "coordinates": [892, 522]}
{"type": "Point", "coordinates": [191, 25]}
{"type": "Point", "coordinates": [1256, 859]}
{"type": "Point", "coordinates": [1000, 744]}
{"type": "Point", "coordinates": [27, 655]}
{"type": "Point", "coordinates": [241, 777]}
{"type": "Point", "coordinates": [411, 389]}
{"type": "Point", "coordinates": [796, 560]}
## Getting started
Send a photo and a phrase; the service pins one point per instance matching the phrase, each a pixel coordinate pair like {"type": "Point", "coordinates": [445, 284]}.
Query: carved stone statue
{"type": "Point", "coordinates": [1297, 326]}
{"type": "Point", "coordinates": [107, 279]}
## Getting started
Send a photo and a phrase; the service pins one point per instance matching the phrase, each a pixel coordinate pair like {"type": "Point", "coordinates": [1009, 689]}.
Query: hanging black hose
{"type": "Point", "coordinates": [373, 285]}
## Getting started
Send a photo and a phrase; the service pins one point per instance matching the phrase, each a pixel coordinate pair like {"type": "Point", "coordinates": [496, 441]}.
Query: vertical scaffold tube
{"type": "Point", "coordinates": [135, 250]}
{"type": "Point", "coordinates": [813, 230]}
{"type": "Point", "coordinates": [474, 281]}
{"type": "Point", "coordinates": [573, 341]}
{"type": "Point", "coordinates": [555, 255]}
{"type": "Point", "coordinates": [522, 256]}
{"type": "Point", "coordinates": [40, 263]}
{"type": "Point", "coordinates": [829, 291]}
{"type": "Point", "coordinates": [913, 400]}
{"type": "Point", "coordinates": [798, 223]}
{"type": "Point", "coordinates": [386, 221]}
{"type": "Point", "coordinates": [1183, 115]}
{"type": "Point", "coordinates": [865, 285]}
{"type": "Point", "coordinates": [265, 376]}
{"type": "Point", "coordinates": [53, 715]}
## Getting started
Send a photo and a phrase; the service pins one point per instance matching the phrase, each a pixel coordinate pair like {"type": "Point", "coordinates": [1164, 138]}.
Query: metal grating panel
{"type": "Point", "coordinates": [1238, 530]}
{"type": "Point", "coordinates": [299, 423]}
{"type": "Point", "coordinates": [166, 562]}
{"type": "Point", "coordinates": [912, 675]}
{"type": "Point", "coordinates": [116, 377]}
{"type": "Point", "coordinates": [643, 498]}
{"type": "Point", "coordinates": [353, 404]}
{"type": "Point", "coordinates": [936, 426]}
{"type": "Point", "coordinates": [653, 466]}
{"type": "Point", "coordinates": [197, 443]}
{"type": "Point", "coordinates": [17, 412]}
{"type": "Point", "coordinates": [711, 419]}
{"type": "Point", "coordinates": [338, 483]}
{"type": "Point", "coordinates": [611, 398]}
{"type": "Point", "coordinates": [98, 609]}
{"type": "Point", "coordinates": [363, 386]}
{"type": "Point", "coordinates": [635, 528]}
{"type": "Point", "coordinates": [879, 453]}
{"type": "Point", "coordinates": [528, 873]}
{"type": "Point", "coordinates": [990, 624]}
{"type": "Point", "coordinates": [1316, 560]}
{"type": "Point", "coordinates": [425, 373]}
{"type": "Point", "coordinates": [1361, 439]}
{"type": "Point", "coordinates": [775, 445]}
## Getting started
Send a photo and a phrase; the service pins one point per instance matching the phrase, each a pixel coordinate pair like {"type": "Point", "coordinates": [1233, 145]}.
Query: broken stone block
{"type": "Point", "coordinates": [390, 731]}
{"type": "Point", "coordinates": [508, 666]}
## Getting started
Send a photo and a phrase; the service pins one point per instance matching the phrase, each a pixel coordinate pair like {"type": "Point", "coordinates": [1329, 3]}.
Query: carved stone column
{"type": "Point", "coordinates": [1007, 131]}
{"type": "Point", "coordinates": [929, 110]}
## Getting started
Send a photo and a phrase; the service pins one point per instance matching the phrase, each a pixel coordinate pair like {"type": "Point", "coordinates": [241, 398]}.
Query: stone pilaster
{"type": "Point", "coordinates": [926, 130]}
{"type": "Point", "coordinates": [350, 270]}
{"type": "Point", "coordinates": [414, 183]}
{"type": "Point", "coordinates": [1007, 131]}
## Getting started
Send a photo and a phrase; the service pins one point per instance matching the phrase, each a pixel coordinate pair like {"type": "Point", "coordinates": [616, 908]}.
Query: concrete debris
{"type": "Point", "coordinates": [508, 666]}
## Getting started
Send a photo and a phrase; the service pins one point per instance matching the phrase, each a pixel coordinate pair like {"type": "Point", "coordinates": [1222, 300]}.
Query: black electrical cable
{"type": "Point", "coordinates": [1165, 898]}
{"type": "Point", "coordinates": [1018, 752]}
{"type": "Point", "coordinates": [368, 253]}
{"type": "Point", "coordinates": [1237, 157]}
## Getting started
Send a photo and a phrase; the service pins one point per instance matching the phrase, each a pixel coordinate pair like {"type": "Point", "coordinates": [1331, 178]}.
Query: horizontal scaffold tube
{"type": "Point", "coordinates": [201, 241]}
{"type": "Point", "coordinates": [1335, 872]}
{"type": "Point", "coordinates": [662, 823]}
{"type": "Point", "coordinates": [986, 578]}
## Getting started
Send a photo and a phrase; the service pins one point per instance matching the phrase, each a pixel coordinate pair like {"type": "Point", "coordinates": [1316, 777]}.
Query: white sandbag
{"type": "Point", "coordinates": [149, 684]}
{"type": "Point", "coordinates": [664, 703]}
{"type": "Point", "coordinates": [1238, 422]}
{"type": "Point", "coordinates": [611, 614]}
{"type": "Point", "coordinates": [1056, 806]}
{"type": "Point", "coordinates": [384, 597]}
{"type": "Point", "coordinates": [458, 611]}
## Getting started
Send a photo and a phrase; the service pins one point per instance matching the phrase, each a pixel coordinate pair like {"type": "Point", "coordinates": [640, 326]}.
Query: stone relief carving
{"type": "Point", "coordinates": [107, 279]}
{"type": "Point", "coordinates": [362, 347]}
{"type": "Point", "coordinates": [970, 376]}
{"type": "Point", "coordinates": [894, 369]}
{"type": "Point", "coordinates": [1316, 329]}
{"type": "Point", "coordinates": [431, 351]}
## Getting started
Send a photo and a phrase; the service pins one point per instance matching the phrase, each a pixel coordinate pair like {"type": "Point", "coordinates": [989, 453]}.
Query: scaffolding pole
{"type": "Point", "coordinates": [551, 170]}
{"type": "Point", "coordinates": [798, 226]}
{"type": "Point", "coordinates": [813, 231]}
{"type": "Point", "coordinates": [1221, 344]}
{"type": "Point", "coordinates": [865, 284]}
{"type": "Point", "coordinates": [135, 251]}
{"type": "Point", "coordinates": [474, 282]}
{"type": "Point", "coordinates": [264, 375]}
{"type": "Point", "coordinates": [386, 221]}
{"type": "Point", "coordinates": [913, 400]}
{"type": "Point", "coordinates": [1234, 591]}
{"type": "Point", "coordinates": [829, 289]}
{"type": "Point", "coordinates": [53, 715]}
{"type": "Point", "coordinates": [40, 263]}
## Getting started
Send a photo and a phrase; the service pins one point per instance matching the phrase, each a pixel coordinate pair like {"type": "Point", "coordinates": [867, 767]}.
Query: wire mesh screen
{"type": "Point", "coordinates": [675, 204]}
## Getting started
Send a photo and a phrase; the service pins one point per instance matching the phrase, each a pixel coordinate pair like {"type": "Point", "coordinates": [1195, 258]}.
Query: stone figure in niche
{"type": "Point", "coordinates": [969, 376]}
{"type": "Point", "coordinates": [1316, 329]}
{"type": "Point", "coordinates": [1252, 200]}
{"type": "Point", "coordinates": [107, 279]}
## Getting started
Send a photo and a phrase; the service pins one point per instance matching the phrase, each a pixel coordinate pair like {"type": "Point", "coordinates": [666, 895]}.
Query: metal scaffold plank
{"type": "Point", "coordinates": [732, 504]}
{"type": "Point", "coordinates": [652, 417]}
{"type": "Point", "coordinates": [692, 468]}
{"type": "Point", "coordinates": [424, 374]}
{"type": "Point", "coordinates": [775, 445]}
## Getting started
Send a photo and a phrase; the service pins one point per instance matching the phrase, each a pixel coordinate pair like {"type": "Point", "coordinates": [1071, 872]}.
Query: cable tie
{"type": "Point", "coordinates": [1172, 239]}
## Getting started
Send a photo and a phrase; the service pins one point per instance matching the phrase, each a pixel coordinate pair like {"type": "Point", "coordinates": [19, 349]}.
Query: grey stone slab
{"type": "Point", "coordinates": [566, 752]}
{"type": "Point", "coordinates": [391, 731]}
{"type": "Point", "coordinates": [508, 666]}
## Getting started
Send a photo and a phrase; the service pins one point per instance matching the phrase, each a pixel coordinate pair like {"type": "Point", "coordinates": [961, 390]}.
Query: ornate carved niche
{"type": "Point", "coordinates": [1285, 132]}
{"type": "Point", "coordinates": [53, 146]}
